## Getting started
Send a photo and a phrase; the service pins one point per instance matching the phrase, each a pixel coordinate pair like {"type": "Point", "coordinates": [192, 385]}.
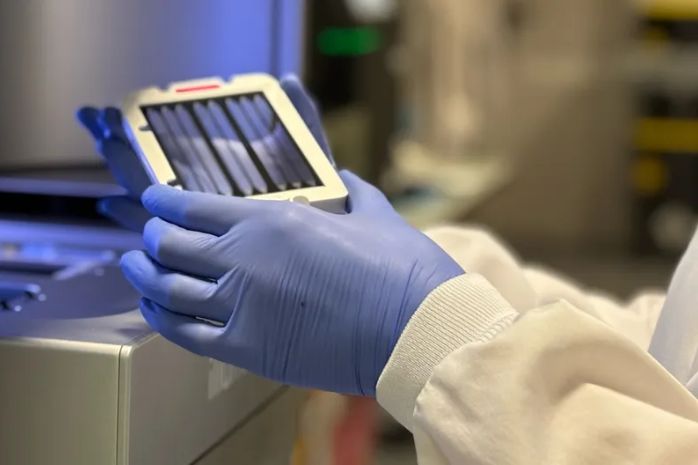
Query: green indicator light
{"type": "Point", "coordinates": [349, 41]}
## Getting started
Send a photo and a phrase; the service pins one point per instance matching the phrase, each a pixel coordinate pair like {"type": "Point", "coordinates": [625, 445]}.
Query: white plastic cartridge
{"type": "Point", "coordinates": [243, 137]}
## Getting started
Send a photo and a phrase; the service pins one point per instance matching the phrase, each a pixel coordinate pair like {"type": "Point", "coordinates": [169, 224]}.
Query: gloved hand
{"type": "Point", "coordinates": [106, 127]}
{"type": "Point", "coordinates": [305, 297]}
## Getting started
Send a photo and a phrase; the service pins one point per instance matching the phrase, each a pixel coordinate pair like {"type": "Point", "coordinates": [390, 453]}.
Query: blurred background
{"type": "Point", "coordinates": [561, 125]}
{"type": "Point", "coordinates": [567, 127]}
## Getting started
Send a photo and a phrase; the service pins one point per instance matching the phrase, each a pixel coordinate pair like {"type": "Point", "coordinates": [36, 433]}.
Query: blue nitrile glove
{"type": "Point", "coordinates": [306, 297]}
{"type": "Point", "coordinates": [106, 128]}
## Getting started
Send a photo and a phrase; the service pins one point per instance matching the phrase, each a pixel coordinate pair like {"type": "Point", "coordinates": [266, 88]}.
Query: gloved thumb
{"type": "Point", "coordinates": [363, 197]}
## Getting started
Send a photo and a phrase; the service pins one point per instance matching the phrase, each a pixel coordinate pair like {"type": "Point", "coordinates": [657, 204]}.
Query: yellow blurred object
{"type": "Point", "coordinates": [299, 454]}
{"type": "Point", "coordinates": [318, 420]}
{"type": "Point", "coordinates": [671, 10]}
{"type": "Point", "coordinates": [649, 175]}
{"type": "Point", "coordinates": [667, 135]}
{"type": "Point", "coordinates": [336, 430]}
{"type": "Point", "coordinates": [656, 35]}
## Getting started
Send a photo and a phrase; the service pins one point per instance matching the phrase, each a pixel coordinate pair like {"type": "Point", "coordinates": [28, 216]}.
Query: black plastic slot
{"type": "Point", "coordinates": [280, 151]}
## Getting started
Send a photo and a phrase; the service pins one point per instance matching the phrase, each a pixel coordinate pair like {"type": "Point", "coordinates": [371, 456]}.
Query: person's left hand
{"type": "Point", "coordinates": [106, 127]}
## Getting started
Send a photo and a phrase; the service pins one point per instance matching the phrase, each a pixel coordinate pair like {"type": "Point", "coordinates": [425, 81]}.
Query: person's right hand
{"type": "Point", "coordinates": [302, 296]}
{"type": "Point", "coordinates": [106, 127]}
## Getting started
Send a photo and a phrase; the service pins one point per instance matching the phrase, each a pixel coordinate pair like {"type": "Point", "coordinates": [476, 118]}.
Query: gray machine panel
{"type": "Point", "coordinates": [150, 403]}
{"type": "Point", "coordinates": [175, 402]}
{"type": "Point", "coordinates": [265, 439]}
{"type": "Point", "coordinates": [58, 402]}
{"type": "Point", "coordinates": [85, 381]}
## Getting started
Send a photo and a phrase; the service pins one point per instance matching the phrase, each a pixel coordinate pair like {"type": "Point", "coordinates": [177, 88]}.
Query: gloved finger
{"type": "Point", "coordinates": [89, 118]}
{"type": "Point", "coordinates": [177, 292]}
{"type": "Point", "coordinates": [198, 211]}
{"type": "Point", "coordinates": [112, 124]}
{"type": "Point", "coordinates": [180, 249]}
{"type": "Point", "coordinates": [187, 332]}
{"type": "Point", "coordinates": [308, 110]}
{"type": "Point", "coordinates": [363, 197]}
{"type": "Point", "coordinates": [124, 165]}
{"type": "Point", "coordinates": [125, 211]}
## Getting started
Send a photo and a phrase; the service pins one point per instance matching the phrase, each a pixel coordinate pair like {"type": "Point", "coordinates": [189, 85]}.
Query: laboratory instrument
{"type": "Point", "coordinates": [85, 381]}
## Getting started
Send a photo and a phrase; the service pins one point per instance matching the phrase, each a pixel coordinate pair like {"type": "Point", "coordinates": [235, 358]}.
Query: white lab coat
{"type": "Point", "coordinates": [513, 365]}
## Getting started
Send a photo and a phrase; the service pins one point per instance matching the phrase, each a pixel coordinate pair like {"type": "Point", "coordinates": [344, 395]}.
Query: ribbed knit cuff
{"type": "Point", "coordinates": [462, 310]}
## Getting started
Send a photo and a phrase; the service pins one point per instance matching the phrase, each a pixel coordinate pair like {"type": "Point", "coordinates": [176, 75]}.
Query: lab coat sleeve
{"type": "Point", "coordinates": [527, 287]}
{"type": "Point", "coordinates": [675, 339]}
{"type": "Point", "coordinates": [479, 383]}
